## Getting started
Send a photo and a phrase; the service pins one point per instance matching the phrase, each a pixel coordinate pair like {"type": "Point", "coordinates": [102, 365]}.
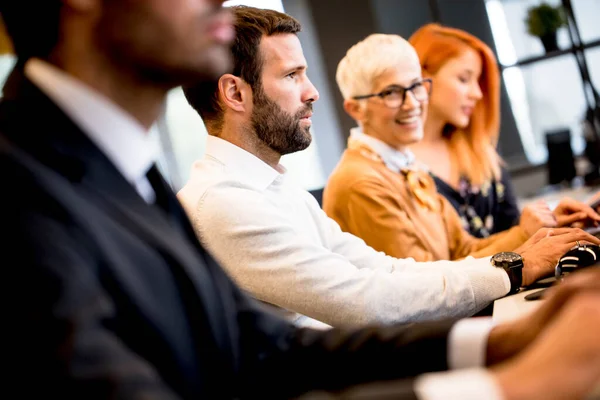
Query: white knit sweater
{"type": "Point", "coordinates": [276, 242]}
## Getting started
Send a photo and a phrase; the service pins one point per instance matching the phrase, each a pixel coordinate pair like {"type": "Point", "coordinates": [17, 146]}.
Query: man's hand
{"type": "Point", "coordinates": [594, 202]}
{"type": "Point", "coordinates": [569, 212]}
{"type": "Point", "coordinates": [541, 252]}
{"type": "Point", "coordinates": [536, 216]}
{"type": "Point", "coordinates": [563, 362]}
{"type": "Point", "coordinates": [508, 339]}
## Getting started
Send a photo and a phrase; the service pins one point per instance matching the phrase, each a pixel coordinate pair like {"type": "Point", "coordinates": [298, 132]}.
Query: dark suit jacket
{"type": "Point", "coordinates": [105, 296]}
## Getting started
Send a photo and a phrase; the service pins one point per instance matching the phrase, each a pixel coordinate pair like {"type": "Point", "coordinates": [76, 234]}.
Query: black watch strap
{"type": "Point", "coordinates": [515, 274]}
{"type": "Point", "coordinates": [512, 263]}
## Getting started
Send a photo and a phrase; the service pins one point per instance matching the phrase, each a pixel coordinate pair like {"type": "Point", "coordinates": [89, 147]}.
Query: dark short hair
{"type": "Point", "coordinates": [32, 25]}
{"type": "Point", "coordinates": [251, 24]}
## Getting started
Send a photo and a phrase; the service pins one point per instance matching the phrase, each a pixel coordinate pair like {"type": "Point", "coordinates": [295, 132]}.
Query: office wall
{"type": "Point", "coordinates": [329, 144]}
{"type": "Point", "coordinates": [339, 24]}
{"type": "Point", "coordinates": [402, 17]}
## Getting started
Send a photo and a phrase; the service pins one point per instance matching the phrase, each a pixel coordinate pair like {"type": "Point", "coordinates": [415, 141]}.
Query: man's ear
{"type": "Point", "coordinates": [355, 109]}
{"type": "Point", "coordinates": [235, 93]}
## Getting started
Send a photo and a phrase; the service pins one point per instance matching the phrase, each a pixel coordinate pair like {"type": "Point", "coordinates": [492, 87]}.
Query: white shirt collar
{"type": "Point", "coordinates": [130, 147]}
{"type": "Point", "coordinates": [250, 168]}
{"type": "Point", "coordinates": [395, 160]}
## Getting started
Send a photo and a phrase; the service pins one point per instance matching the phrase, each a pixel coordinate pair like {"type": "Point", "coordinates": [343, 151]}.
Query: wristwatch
{"type": "Point", "coordinates": [512, 263]}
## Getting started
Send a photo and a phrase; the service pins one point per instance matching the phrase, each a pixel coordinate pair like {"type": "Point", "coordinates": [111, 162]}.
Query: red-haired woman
{"type": "Point", "coordinates": [461, 133]}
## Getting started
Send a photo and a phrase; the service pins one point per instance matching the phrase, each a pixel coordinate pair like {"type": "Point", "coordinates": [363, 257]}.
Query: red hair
{"type": "Point", "coordinates": [478, 159]}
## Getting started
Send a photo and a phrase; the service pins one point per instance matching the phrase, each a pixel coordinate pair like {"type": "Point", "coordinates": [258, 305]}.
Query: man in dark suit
{"type": "Point", "coordinates": [108, 294]}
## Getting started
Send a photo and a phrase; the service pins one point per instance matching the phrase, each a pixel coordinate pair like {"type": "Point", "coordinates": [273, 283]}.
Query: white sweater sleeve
{"type": "Point", "coordinates": [343, 282]}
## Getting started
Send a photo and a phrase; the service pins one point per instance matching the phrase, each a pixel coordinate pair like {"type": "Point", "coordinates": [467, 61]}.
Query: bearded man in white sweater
{"type": "Point", "coordinates": [273, 238]}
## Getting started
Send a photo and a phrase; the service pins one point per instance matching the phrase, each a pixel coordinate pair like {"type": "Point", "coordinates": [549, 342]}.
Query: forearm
{"type": "Point", "coordinates": [335, 278]}
{"type": "Point", "coordinates": [338, 359]}
{"type": "Point", "coordinates": [327, 288]}
{"type": "Point", "coordinates": [472, 342]}
{"type": "Point", "coordinates": [466, 351]}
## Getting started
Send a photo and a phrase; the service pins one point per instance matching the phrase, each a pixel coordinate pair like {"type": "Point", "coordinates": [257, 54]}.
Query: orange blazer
{"type": "Point", "coordinates": [402, 214]}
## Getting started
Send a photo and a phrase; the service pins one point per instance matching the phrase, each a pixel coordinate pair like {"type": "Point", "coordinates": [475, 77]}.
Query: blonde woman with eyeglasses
{"type": "Point", "coordinates": [379, 191]}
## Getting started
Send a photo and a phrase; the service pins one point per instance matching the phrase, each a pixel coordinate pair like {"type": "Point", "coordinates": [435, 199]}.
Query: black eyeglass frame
{"type": "Point", "coordinates": [411, 88]}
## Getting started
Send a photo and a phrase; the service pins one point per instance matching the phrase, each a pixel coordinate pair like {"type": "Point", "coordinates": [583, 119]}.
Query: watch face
{"type": "Point", "coordinates": [507, 259]}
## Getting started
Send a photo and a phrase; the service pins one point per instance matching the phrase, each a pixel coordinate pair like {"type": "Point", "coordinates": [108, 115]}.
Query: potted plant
{"type": "Point", "coordinates": [544, 21]}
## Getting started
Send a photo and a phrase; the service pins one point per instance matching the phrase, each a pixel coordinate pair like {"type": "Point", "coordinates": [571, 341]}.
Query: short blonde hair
{"type": "Point", "coordinates": [368, 60]}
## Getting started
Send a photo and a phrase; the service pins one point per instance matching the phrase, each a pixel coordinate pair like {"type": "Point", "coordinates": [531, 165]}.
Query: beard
{"type": "Point", "coordinates": [277, 128]}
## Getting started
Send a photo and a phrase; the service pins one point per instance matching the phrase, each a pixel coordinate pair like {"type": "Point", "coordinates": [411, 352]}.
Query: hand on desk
{"type": "Point", "coordinates": [570, 212]}
{"type": "Point", "coordinates": [541, 252]}
{"type": "Point", "coordinates": [554, 352]}
{"type": "Point", "coordinates": [594, 201]}
{"type": "Point", "coordinates": [536, 216]}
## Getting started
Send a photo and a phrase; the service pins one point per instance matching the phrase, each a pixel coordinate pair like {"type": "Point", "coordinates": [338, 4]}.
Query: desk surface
{"type": "Point", "coordinates": [512, 307]}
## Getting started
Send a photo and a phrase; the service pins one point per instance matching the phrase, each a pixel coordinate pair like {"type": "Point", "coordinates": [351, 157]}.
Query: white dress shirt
{"type": "Point", "coordinates": [126, 143]}
{"type": "Point", "coordinates": [277, 243]}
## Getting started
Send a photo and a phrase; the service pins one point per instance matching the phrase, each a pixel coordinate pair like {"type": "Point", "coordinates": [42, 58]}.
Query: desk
{"type": "Point", "coordinates": [512, 307]}
{"type": "Point", "coordinates": [515, 306]}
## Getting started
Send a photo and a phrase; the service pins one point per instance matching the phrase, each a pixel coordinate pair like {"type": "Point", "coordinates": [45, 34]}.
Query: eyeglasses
{"type": "Point", "coordinates": [394, 96]}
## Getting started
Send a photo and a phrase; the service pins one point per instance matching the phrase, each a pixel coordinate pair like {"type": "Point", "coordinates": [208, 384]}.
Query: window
{"type": "Point", "coordinates": [593, 60]}
{"type": "Point", "coordinates": [547, 94]}
{"type": "Point", "coordinates": [586, 13]}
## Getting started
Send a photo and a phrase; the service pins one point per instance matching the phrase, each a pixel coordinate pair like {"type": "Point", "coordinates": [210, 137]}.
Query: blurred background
{"type": "Point", "coordinates": [549, 95]}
